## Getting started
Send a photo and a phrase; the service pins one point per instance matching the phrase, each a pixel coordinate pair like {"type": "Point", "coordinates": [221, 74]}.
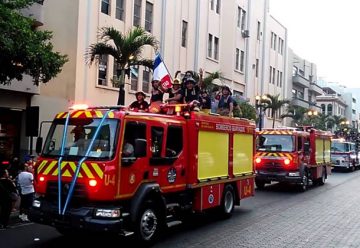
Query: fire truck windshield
{"type": "Point", "coordinates": [275, 143]}
{"type": "Point", "coordinates": [78, 138]}
{"type": "Point", "coordinates": [337, 146]}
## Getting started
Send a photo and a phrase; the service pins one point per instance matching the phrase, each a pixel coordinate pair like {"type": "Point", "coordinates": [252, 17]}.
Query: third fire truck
{"type": "Point", "coordinates": [292, 155]}
{"type": "Point", "coordinates": [112, 170]}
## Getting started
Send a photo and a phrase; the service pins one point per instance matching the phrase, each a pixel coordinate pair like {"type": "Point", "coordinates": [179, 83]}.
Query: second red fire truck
{"type": "Point", "coordinates": [109, 169]}
{"type": "Point", "coordinates": [292, 155]}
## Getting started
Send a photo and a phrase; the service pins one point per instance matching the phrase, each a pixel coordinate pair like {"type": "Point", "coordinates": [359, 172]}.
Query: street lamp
{"type": "Point", "coordinates": [259, 104]}
{"type": "Point", "coordinates": [312, 113]}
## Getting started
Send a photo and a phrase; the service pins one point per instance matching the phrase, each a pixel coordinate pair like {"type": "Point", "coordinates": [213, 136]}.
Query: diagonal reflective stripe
{"type": "Point", "coordinates": [55, 173]}
{"type": "Point", "coordinates": [99, 114]}
{"type": "Point", "coordinates": [87, 171]}
{"type": "Point", "coordinates": [111, 115]}
{"type": "Point", "coordinates": [41, 166]}
{"type": "Point", "coordinates": [58, 116]}
{"type": "Point", "coordinates": [98, 170]}
{"type": "Point", "coordinates": [49, 167]}
{"type": "Point", "coordinates": [88, 114]}
{"type": "Point", "coordinates": [77, 114]}
{"type": "Point", "coordinates": [73, 168]}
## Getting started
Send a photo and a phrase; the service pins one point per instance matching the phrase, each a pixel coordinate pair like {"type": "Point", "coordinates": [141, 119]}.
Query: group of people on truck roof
{"type": "Point", "coordinates": [188, 90]}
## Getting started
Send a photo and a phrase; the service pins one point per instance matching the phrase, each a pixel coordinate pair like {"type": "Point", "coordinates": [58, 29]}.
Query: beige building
{"type": "Point", "coordinates": [236, 37]}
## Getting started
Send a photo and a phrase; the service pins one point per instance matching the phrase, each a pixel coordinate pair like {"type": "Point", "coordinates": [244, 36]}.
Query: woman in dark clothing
{"type": "Point", "coordinates": [7, 187]}
{"type": "Point", "coordinates": [140, 105]}
{"type": "Point", "coordinates": [156, 92]}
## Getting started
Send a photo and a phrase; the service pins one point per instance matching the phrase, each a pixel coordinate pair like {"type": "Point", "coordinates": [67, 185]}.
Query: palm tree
{"type": "Point", "coordinates": [274, 103]}
{"type": "Point", "coordinates": [297, 113]}
{"type": "Point", "coordinates": [336, 121]}
{"type": "Point", "coordinates": [126, 50]}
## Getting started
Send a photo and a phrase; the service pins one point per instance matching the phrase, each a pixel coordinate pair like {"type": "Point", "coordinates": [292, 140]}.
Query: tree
{"type": "Point", "coordinates": [297, 113]}
{"type": "Point", "coordinates": [208, 85]}
{"type": "Point", "coordinates": [23, 49]}
{"type": "Point", "coordinates": [274, 104]}
{"type": "Point", "coordinates": [126, 50]}
{"type": "Point", "coordinates": [247, 111]}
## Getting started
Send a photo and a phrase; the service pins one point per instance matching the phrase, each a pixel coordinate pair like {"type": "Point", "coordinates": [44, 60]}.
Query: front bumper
{"type": "Point", "coordinates": [81, 218]}
{"type": "Point", "coordinates": [279, 176]}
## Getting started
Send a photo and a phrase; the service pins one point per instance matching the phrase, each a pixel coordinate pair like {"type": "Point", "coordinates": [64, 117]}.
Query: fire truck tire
{"type": "Point", "coordinates": [227, 202]}
{"type": "Point", "coordinates": [305, 182]}
{"type": "Point", "coordinates": [321, 180]}
{"type": "Point", "coordinates": [260, 184]}
{"type": "Point", "coordinates": [149, 223]}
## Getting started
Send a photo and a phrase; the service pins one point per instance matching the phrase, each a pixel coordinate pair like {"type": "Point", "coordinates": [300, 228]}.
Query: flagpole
{"type": "Point", "coordinates": [172, 80]}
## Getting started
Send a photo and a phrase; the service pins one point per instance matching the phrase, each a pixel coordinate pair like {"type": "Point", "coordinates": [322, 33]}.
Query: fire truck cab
{"type": "Point", "coordinates": [292, 155]}
{"type": "Point", "coordinates": [112, 170]}
{"type": "Point", "coordinates": [344, 155]}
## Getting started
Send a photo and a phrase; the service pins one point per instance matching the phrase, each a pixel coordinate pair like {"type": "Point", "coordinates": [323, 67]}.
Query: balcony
{"type": "Point", "coordinates": [318, 91]}
{"type": "Point", "coordinates": [36, 12]}
{"type": "Point", "coordinates": [301, 81]}
{"type": "Point", "coordinates": [331, 98]}
{"type": "Point", "coordinates": [300, 102]}
{"type": "Point", "coordinates": [25, 86]}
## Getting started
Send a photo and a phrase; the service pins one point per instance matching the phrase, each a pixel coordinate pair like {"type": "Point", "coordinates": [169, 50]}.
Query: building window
{"type": "Point", "coordinates": [273, 78]}
{"type": "Point", "coordinates": [218, 6]}
{"type": "Point", "coordinates": [237, 58]}
{"type": "Point", "coordinates": [294, 71]}
{"type": "Point", "coordinates": [146, 81]}
{"type": "Point", "coordinates": [212, 2]}
{"type": "Point", "coordinates": [184, 33]}
{"type": "Point", "coordinates": [257, 68]}
{"type": "Point", "coordinates": [102, 70]}
{"type": "Point", "coordinates": [323, 110]}
{"type": "Point", "coordinates": [258, 32]}
{"type": "Point", "coordinates": [354, 111]}
{"type": "Point", "coordinates": [216, 48]}
{"type": "Point", "coordinates": [134, 78]}
{"type": "Point", "coordinates": [270, 75]}
{"type": "Point", "coordinates": [301, 95]}
{"type": "Point", "coordinates": [278, 78]}
{"type": "Point", "coordinates": [243, 19]}
{"type": "Point", "coordinates": [294, 93]}
{"type": "Point", "coordinates": [329, 109]}
{"type": "Point", "coordinates": [281, 46]}
{"type": "Point", "coordinates": [119, 14]}
{"type": "Point", "coordinates": [242, 60]}
{"type": "Point", "coordinates": [275, 39]}
{"type": "Point", "coordinates": [137, 13]}
{"type": "Point", "coordinates": [281, 78]}
{"type": "Point", "coordinates": [149, 17]}
{"type": "Point", "coordinates": [239, 17]}
{"type": "Point", "coordinates": [116, 79]}
{"type": "Point", "coordinates": [272, 40]}
{"type": "Point", "coordinates": [210, 45]}
{"type": "Point", "coordinates": [105, 6]}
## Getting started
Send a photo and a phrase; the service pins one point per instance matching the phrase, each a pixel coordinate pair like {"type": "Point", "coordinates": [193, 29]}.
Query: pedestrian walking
{"type": "Point", "coordinates": [8, 195]}
{"type": "Point", "coordinates": [26, 183]}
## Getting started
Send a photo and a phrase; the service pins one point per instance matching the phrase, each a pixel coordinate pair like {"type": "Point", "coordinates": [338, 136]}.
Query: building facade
{"type": "Point", "coordinates": [238, 38]}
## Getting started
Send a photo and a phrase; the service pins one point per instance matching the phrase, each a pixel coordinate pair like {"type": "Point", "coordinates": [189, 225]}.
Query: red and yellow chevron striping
{"type": "Point", "coordinates": [84, 114]}
{"type": "Point", "coordinates": [87, 170]}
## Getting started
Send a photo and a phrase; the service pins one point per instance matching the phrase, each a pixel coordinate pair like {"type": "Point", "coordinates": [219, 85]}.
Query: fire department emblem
{"type": "Point", "coordinates": [211, 199]}
{"type": "Point", "coordinates": [171, 176]}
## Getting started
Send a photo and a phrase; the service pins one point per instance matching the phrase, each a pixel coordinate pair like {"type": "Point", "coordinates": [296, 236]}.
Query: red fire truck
{"type": "Point", "coordinates": [110, 169]}
{"type": "Point", "coordinates": [292, 155]}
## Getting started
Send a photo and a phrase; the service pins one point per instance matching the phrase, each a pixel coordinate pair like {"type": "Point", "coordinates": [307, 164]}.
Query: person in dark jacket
{"type": "Point", "coordinates": [226, 102]}
{"type": "Point", "coordinates": [7, 189]}
{"type": "Point", "coordinates": [205, 101]}
{"type": "Point", "coordinates": [140, 105]}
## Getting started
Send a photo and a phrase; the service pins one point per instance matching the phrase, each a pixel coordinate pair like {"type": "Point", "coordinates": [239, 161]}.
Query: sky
{"type": "Point", "coordinates": [324, 32]}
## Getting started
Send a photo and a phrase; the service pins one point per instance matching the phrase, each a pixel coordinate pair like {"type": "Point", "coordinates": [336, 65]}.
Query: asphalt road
{"type": "Point", "coordinates": [278, 216]}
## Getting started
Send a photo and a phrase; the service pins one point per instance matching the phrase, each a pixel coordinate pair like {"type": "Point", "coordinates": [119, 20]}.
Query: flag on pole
{"type": "Point", "coordinates": [161, 73]}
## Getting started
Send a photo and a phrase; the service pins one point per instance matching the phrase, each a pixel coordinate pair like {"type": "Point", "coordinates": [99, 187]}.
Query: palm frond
{"type": "Point", "coordinates": [95, 51]}
{"type": "Point", "coordinates": [149, 63]}
{"type": "Point", "coordinates": [109, 33]}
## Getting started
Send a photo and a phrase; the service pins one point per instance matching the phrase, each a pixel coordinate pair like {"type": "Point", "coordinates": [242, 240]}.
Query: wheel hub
{"type": "Point", "coordinates": [148, 224]}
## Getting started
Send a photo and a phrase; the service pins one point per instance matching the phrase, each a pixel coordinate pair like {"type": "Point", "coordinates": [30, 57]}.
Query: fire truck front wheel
{"type": "Point", "coordinates": [227, 202]}
{"type": "Point", "coordinates": [149, 223]}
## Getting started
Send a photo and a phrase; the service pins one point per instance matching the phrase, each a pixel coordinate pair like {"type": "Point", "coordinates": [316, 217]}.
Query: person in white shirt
{"type": "Point", "coordinates": [26, 183]}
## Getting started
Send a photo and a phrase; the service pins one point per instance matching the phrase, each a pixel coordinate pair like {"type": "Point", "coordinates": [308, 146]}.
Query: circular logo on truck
{"type": "Point", "coordinates": [211, 199]}
{"type": "Point", "coordinates": [171, 176]}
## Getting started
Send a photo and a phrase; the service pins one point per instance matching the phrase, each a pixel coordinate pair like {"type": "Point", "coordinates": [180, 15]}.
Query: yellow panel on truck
{"type": "Point", "coordinates": [327, 144]}
{"type": "Point", "coordinates": [319, 155]}
{"type": "Point", "coordinates": [213, 155]}
{"type": "Point", "coordinates": [243, 154]}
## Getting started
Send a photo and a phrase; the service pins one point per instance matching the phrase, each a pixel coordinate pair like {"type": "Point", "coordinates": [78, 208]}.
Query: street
{"type": "Point", "coordinates": [278, 216]}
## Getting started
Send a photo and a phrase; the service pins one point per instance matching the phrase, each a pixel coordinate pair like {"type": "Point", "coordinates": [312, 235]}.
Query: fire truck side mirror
{"type": "Point", "coordinates": [39, 142]}
{"type": "Point", "coordinates": [140, 148]}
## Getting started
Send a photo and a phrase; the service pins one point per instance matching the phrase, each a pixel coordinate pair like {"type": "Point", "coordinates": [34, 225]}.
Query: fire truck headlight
{"type": "Point", "coordinates": [36, 204]}
{"type": "Point", "coordinates": [107, 213]}
{"type": "Point", "coordinates": [287, 161]}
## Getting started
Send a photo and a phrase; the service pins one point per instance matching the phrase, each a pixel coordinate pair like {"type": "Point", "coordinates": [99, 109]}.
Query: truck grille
{"type": "Point", "coordinates": [79, 194]}
{"type": "Point", "coordinates": [273, 167]}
